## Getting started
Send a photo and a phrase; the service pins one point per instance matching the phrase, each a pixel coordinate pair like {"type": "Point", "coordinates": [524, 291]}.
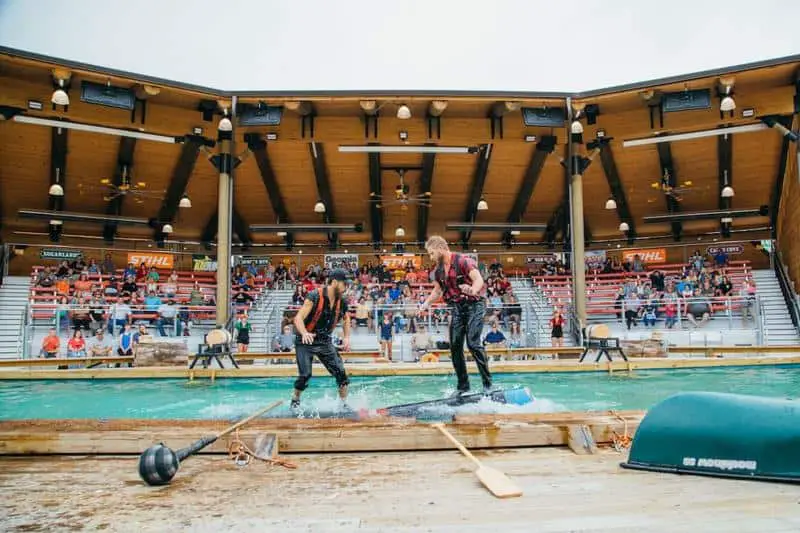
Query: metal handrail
{"type": "Point", "coordinates": [787, 289]}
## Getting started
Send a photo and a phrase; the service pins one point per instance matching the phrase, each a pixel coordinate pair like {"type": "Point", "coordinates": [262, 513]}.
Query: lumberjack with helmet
{"type": "Point", "coordinates": [458, 281]}
{"type": "Point", "coordinates": [314, 323]}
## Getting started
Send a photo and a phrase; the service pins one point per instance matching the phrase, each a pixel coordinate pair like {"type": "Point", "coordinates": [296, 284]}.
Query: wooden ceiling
{"type": "Point", "coordinates": [25, 152]}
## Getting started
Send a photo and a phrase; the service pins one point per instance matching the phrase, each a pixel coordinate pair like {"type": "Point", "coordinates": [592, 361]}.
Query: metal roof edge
{"type": "Point", "coordinates": [210, 91]}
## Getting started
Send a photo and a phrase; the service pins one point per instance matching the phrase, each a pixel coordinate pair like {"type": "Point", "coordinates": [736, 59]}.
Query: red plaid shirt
{"type": "Point", "coordinates": [449, 282]}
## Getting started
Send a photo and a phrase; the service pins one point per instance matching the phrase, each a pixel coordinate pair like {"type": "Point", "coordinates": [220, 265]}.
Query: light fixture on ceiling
{"type": "Point", "coordinates": [611, 204]}
{"type": "Point", "coordinates": [166, 228]}
{"type": "Point", "coordinates": [515, 232]}
{"type": "Point", "coordinates": [399, 232]}
{"type": "Point", "coordinates": [623, 227]}
{"type": "Point", "coordinates": [319, 207]}
{"type": "Point", "coordinates": [482, 205]}
{"type": "Point", "coordinates": [403, 149]}
{"type": "Point", "coordinates": [403, 112]}
{"type": "Point", "coordinates": [56, 189]}
{"type": "Point", "coordinates": [727, 103]}
{"type": "Point", "coordinates": [726, 220]}
{"type": "Point", "coordinates": [225, 123]}
{"type": "Point", "coordinates": [576, 128]}
{"type": "Point", "coordinates": [345, 250]}
{"type": "Point", "coordinates": [474, 251]}
{"type": "Point", "coordinates": [281, 234]}
{"type": "Point", "coordinates": [694, 135]}
{"type": "Point", "coordinates": [60, 96]}
{"type": "Point", "coordinates": [185, 202]}
{"type": "Point", "coordinates": [23, 119]}
{"type": "Point", "coordinates": [383, 251]}
{"type": "Point", "coordinates": [56, 222]}
{"type": "Point", "coordinates": [727, 190]}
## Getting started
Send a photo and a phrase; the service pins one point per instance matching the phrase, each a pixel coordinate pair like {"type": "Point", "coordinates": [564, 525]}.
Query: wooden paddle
{"type": "Point", "coordinates": [497, 482]}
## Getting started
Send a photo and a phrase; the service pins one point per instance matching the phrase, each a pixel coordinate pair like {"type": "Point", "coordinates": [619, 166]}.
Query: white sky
{"type": "Point", "coordinates": [510, 45]}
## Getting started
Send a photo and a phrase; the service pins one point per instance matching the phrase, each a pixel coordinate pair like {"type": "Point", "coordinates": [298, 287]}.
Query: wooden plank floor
{"type": "Point", "coordinates": [397, 492]}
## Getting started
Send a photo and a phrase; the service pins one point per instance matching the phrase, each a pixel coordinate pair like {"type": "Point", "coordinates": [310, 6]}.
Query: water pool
{"type": "Point", "coordinates": [230, 398]}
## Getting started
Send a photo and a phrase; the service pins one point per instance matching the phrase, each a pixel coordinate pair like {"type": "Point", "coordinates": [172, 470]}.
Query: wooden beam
{"type": "Point", "coordinates": [127, 146]}
{"type": "Point", "coordinates": [478, 181]}
{"type": "Point", "coordinates": [58, 170]}
{"type": "Point", "coordinates": [181, 174]}
{"type": "Point", "coordinates": [783, 158]}
{"type": "Point", "coordinates": [724, 172]}
{"type": "Point", "coordinates": [544, 147]}
{"type": "Point", "coordinates": [240, 227]}
{"type": "Point", "coordinates": [259, 148]}
{"type": "Point", "coordinates": [667, 166]}
{"type": "Point", "coordinates": [425, 184]}
{"type": "Point", "coordinates": [324, 188]}
{"type": "Point", "coordinates": [375, 189]}
{"type": "Point", "coordinates": [617, 189]}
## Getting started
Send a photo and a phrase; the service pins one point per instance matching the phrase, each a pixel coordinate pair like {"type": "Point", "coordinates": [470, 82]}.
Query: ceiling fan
{"type": "Point", "coordinates": [401, 195]}
{"type": "Point", "coordinates": [670, 191]}
{"type": "Point", "coordinates": [111, 191]}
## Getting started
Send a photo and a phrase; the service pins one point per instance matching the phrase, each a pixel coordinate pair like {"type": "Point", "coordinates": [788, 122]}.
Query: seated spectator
{"type": "Point", "coordinates": [242, 298]}
{"type": "Point", "coordinates": [698, 307]}
{"type": "Point", "coordinates": [46, 278]}
{"type": "Point", "coordinates": [196, 296]}
{"type": "Point", "coordinates": [81, 315]}
{"type": "Point", "coordinates": [152, 302]}
{"type": "Point", "coordinates": [495, 338]}
{"type": "Point", "coordinates": [110, 287]}
{"type": "Point", "coordinates": [285, 341]}
{"type": "Point", "coordinates": [421, 342]}
{"type": "Point", "coordinates": [633, 307]}
{"type": "Point", "coordinates": [725, 287]}
{"type": "Point", "coordinates": [100, 345]}
{"type": "Point", "coordinates": [51, 345]}
{"type": "Point", "coordinates": [83, 287]}
{"type": "Point", "coordinates": [129, 287]}
{"type": "Point", "coordinates": [170, 288]}
{"type": "Point", "coordinates": [151, 281]}
{"type": "Point", "coordinates": [650, 313]}
{"type": "Point", "coordinates": [62, 313]}
{"type": "Point", "coordinates": [670, 313]}
{"type": "Point", "coordinates": [107, 267]}
{"type": "Point", "coordinates": [167, 315]}
{"type": "Point", "coordinates": [141, 273]}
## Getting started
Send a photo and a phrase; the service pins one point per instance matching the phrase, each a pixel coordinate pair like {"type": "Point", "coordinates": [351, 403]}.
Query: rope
{"type": "Point", "coordinates": [242, 455]}
{"type": "Point", "coordinates": [621, 442]}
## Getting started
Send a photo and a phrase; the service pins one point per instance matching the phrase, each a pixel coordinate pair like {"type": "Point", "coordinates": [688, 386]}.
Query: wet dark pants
{"type": "Point", "coordinates": [327, 355]}
{"type": "Point", "coordinates": [467, 323]}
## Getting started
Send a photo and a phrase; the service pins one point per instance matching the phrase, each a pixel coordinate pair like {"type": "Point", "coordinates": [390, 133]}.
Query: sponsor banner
{"type": "Point", "coordinates": [157, 260]}
{"type": "Point", "coordinates": [257, 260]}
{"type": "Point", "coordinates": [60, 254]}
{"type": "Point", "coordinates": [595, 258]}
{"type": "Point", "coordinates": [730, 249]}
{"type": "Point", "coordinates": [393, 262]}
{"type": "Point", "coordinates": [541, 258]}
{"type": "Point", "coordinates": [204, 263]}
{"type": "Point", "coordinates": [650, 255]}
{"type": "Point", "coordinates": [346, 261]}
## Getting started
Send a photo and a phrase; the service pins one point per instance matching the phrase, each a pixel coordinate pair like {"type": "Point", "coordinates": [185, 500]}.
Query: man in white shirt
{"type": "Point", "coordinates": [167, 314]}
{"type": "Point", "coordinates": [120, 315]}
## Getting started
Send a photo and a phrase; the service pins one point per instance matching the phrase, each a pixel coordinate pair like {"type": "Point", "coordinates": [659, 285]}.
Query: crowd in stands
{"type": "Point", "coordinates": [696, 292]}
{"type": "Point", "coordinates": [90, 298]}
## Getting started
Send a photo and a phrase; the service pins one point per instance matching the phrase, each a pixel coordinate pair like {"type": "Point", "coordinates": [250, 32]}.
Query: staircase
{"type": "Point", "coordinates": [530, 298]}
{"type": "Point", "coordinates": [778, 327]}
{"type": "Point", "coordinates": [13, 299]}
{"type": "Point", "coordinates": [266, 316]}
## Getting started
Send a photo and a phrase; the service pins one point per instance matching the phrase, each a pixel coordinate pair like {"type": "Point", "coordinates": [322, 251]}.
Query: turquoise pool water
{"type": "Point", "coordinates": [232, 398]}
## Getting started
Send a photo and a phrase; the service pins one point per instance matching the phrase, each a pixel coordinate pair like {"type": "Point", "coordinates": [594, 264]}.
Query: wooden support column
{"type": "Point", "coordinates": [225, 220]}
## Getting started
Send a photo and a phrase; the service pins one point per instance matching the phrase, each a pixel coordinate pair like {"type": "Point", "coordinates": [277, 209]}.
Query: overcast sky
{"type": "Point", "coordinates": [521, 45]}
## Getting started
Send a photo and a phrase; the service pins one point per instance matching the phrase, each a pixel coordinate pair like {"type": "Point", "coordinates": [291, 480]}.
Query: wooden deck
{"type": "Point", "coordinates": [405, 492]}
{"type": "Point", "coordinates": [117, 437]}
{"type": "Point", "coordinates": [397, 369]}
